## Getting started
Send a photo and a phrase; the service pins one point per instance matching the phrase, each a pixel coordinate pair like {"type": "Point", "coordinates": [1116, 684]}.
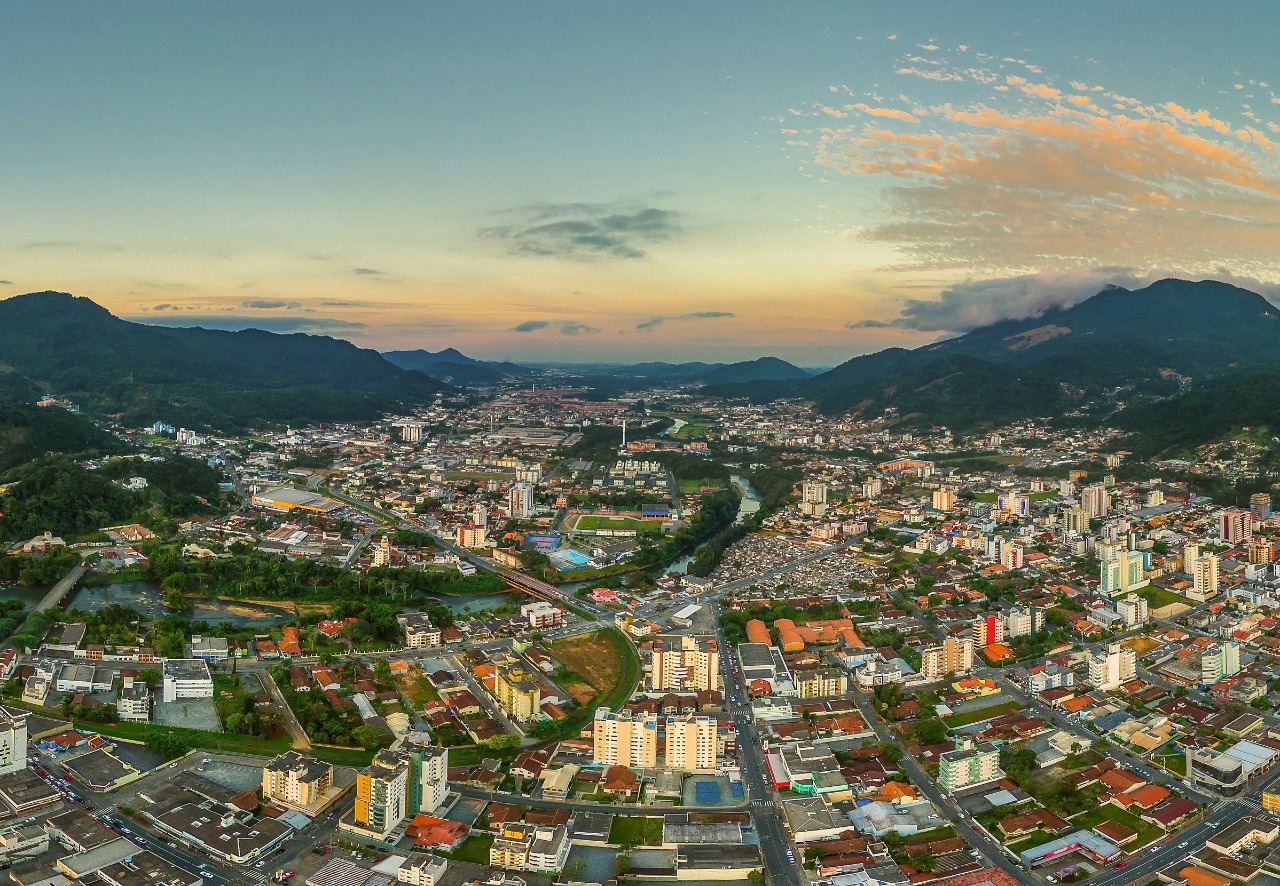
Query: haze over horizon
{"type": "Point", "coordinates": [575, 184]}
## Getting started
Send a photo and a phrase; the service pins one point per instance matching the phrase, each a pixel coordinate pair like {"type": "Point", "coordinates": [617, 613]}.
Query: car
{"type": "Point", "coordinates": [1184, 844]}
{"type": "Point", "coordinates": [207, 760]}
{"type": "Point", "coordinates": [1122, 865]}
{"type": "Point", "coordinates": [259, 864]}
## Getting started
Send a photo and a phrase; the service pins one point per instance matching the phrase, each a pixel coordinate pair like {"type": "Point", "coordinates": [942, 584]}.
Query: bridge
{"type": "Point", "coordinates": [540, 589]}
{"type": "Point", "coordinates": [58, 593]}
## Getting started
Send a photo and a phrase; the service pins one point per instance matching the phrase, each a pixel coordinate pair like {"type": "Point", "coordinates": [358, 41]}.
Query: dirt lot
{"type": "Point", "coordinates": [591, 657]}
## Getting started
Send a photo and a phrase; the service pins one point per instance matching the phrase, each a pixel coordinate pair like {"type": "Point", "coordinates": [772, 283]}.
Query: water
{"type": "Point", "coordinates": [750, 498]}
{"type": "Point", "coordinates": [29, 596]}
{"type": "Point", "coordinates": [477, 604]}
{"type": "Point", "coordinates": [145, 596]}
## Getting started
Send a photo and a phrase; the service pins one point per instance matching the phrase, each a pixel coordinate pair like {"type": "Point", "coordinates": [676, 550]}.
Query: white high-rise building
{"type": "Point", "coordinates": [1112, 668]}
{"type": "Point", "coordinates": [684, 663]}
{"type": "Point", "coordinates": [1134, 610]}
{"type": "Point", "coordinates": [520, 501]}
{"type": "Point", "coordinates": [13, 740]}
{"type": "Point", "coordinates": [871, 487]}
{"type": "Point", "coordinates": [1015, 503]}
{"type": "Point", "coordinates": [413, 431]}
{"type": "Point", "coordinates": [1095, 500]}
{"type": "Point", "coordinates": [1204, 578]}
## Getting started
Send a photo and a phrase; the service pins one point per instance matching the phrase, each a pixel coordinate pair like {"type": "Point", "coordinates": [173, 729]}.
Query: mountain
{"type": "Point", "coordinates": [763, 369]}
{"type": "Point", "coordinates": [455, 368]}
{"type": "Point", "coordinates": [1115, 349]}
{"type": "Point", "coordinates": [52, 341]}
{"type": "Point", "coordinates": [28, 432]}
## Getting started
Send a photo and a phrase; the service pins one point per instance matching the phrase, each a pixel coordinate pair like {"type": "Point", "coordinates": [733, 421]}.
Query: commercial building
{"type": "Point", "coordinates": [296, 781]}
{"type": "Point", "coordinates": [969, 764]}
{"type": "Point", "coordinates": [1220, 773]}
{"type": "Point", "coordinates": [1109, 669]}
{"type": "Point", "coordinates": [621, 738]}
{"type": "Point", "coordinates": [542, 614]}
{"type": "Point", "coordinates": [952, 656]}
{"type": "Point", "coordinates": [517, 693]}
{"type": "Point", "coordinates": [684, 663]}
{"type": "Point", "coordinates": [692, 743]}
{"type": "Point", "coordinates": [134, 703]}
{"type": "Point", "coordinates": [211, 649]}
{"type": "Point", "coordinates": [186, 678]}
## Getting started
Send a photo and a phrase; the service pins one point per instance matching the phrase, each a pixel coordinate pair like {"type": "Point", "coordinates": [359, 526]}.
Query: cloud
{"type": "Point", "coordinates": [565, 327]}
{"type": "Point", "coordinates": [585, 231]}
{"type": "Point", "coordinates": [6, 282]}
{"type": "Point", "coordinates": [268, 324]}
{"type": "Point", "coordinates": [336, 303]}
{"type": "Point", "coordinates": [531, 326]}
{"type": "Point", "coordinates": [654, 322]}
{"type": "Point", "coordinates": [1004, 182]}
{"type": "Point", "coordinates": [870, 324]}
{"type": "Point", "coordinates": [272, 304]}
{"type": "Point", "coordinates": [164, 307]}
{"type": "Point", "coordinates": [367, 272]}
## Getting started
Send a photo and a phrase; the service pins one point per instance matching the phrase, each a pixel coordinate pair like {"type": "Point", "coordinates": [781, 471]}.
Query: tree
{"type": "Point", "coordinates": [503, 742]}
{"type": "Point", "coordinates": [382, 672]}
{"type": "Point", "coordinates": [756, 876]}
{"type": "Point", "coordinates": [371, 737]}
{"type": "Point", "coordinates": [150, 676]}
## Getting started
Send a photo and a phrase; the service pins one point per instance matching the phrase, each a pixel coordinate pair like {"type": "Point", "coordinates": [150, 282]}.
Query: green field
{"type": "Point", "coordinates": [693, 487]}
{"type": "Point", "coordinates": [981, 714]}
{"type": "Point", "coordinates": [1159, 597]}
{"type": "Point", "coordinates": [636, 831]}
{"type": "Point", "coordinates": [591, 522]}
{"type": "Point", "coordinates": [474, 849]}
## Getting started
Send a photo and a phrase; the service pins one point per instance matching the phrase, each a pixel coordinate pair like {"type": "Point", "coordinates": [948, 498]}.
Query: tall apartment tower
{"type": "Point", "coordinates": [1095, 501]}
{"type": "Point", "coordinates": [1260, 507]}
{"type": "Point", "coordinates": [1236, 526]}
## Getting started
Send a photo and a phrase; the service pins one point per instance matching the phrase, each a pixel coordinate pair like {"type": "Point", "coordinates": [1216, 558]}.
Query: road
{"type": "Point", "coordinates": [297, 735]}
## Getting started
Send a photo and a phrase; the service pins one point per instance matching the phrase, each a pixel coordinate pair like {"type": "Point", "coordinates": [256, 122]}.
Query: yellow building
{"type": "Point", "coordinates": [517, 694]}
{"type": "Point", "coordinates": [621, 738]}
{"type": "Point", "coordinates": [1270, 801]}
{"type": "Point", "coordinates": [296, 781]}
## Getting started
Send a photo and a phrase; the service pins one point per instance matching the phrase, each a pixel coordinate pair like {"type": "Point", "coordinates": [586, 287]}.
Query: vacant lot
{"type": "Point", "coordinates": [593, 658]}
{"type": "Point", "coordinates": [415, 688]}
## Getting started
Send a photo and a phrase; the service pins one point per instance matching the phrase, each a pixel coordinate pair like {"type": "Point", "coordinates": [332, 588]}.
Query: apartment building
{"type": "Point", "coordinates": [970, 763]}
{"type": "Point", "coordinates": [419, 632]}
{"type": "Point", "coordinates": [952, 656]}
{"type": "Point", "coordinates": [691, 743]}
{"type": "Point", "coordinates": [621, 738]}
{"type": "Point", "coordinates": [296, 780]}
{"type": "Point", "coordinates": [380, 796]}
{"type": "Point", "coordinates": [821, 683]}
{"type": "Point", "coordinates": [684, 663]}
{"type": "Point", "coordinates": [517, 693]}
{"type": "Point", "coordinates": [1112, 668]}
{"type": "Point", "coordinates": [134, 703]}
{"type": "Point", "coordinates": [526, 847]}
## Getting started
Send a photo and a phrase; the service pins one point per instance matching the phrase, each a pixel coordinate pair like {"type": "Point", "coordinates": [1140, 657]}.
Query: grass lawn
{"type": "Point", "coordinates": [474, 849]}
{"type": "Point", "coordinates": [636, 830]}
{"type": "Point", "coordinates": [415, 687]}
{"type": "Point", "coordinates": [1175, 763]}
{"type": "Point", "coordinates": [981, 714]}
{"type": "Point", "coordinates": [1099, 814]}
{"type": "Point", "coordinates": [1158, 597]}
{"type": "Point", "coordinates": [591, 522]}
{"type": "Point", "coordinates": [1038, 839]}
{"type": "Point", "coordinates": [693, 487]}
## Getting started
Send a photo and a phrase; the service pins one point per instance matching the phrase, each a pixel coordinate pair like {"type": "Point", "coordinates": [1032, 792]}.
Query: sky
{"type": "Point", "coordinates": [658, 181]}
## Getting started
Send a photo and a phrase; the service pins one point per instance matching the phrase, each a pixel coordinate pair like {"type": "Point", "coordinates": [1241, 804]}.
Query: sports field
{"type": "Point", "coordinates": [591, 523]}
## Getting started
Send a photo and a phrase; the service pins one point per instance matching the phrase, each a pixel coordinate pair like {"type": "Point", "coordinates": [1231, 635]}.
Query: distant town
{"type": "Point", "coordinates": [538, 636]}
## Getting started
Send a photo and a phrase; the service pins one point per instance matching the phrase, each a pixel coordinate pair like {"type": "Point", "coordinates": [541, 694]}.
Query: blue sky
{"type": "Point", "coordinates": [677, 181]}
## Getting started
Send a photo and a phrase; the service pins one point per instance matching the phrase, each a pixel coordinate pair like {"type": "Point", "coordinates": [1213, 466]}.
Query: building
{"type": "Point", "coordinates": [1015, 503]}
{"type": "Point", "coordinates": [413, 431]}
{"type": "Point", "coordinates": [13, 740]}
{"type": "Point", "coordinates": [422, 870]}
{"type": "Point", "coordinates": [380, 796]}
{"type": "Point", "coordinates": [186, 678]}
{"type": "Point", "coordinates": [542, 614]}
{"type": "Point", "coordinates": [1204, 576]}
{"type": "Point", "coordinates": [692, 743]}
{"type": "Point", "coordinates": [1122, 572]}
{"type": "Point", "coordinates": [1220, 773]}
{"type": "Point", "coordinates": [1095, 501]}
{"type": "Point", "coordinates": [419, 632]}
{"type": "Point", "coordinates": [427, 783]}
{"type": "Point", "coordinates": [969, 764]}
{"type": "Point", "coordinates": [684, 663]}
{"type": "Point", "coordinates": [952, 656]}
{"type": "Point", "coordinates": [1109, 669]}
{"type": "Point", "coordinates": [621, 738]}
{"type": "Point", "coordinates": [1133, 610]}
{"type": "Point", "coordinates": [1235, 526]}
{"type": "Point", "coordinates": [520, 501]}
{"type": "Point", "coordinates": [1260, 507]}
{"type": "Point", "coordinates": [1075, 520]}
{"type": "Point", "coordinates": [517, 693]}
{"type": "Point", "coordinates": [1220, 660]}
{"type": "Point", "coordinates": [296, 781]}
{"type": "Point", "coordinates": [944, 500]}
{"type": "Point", "coordinates": [526, 847]}
{"type": "Point", "coordinates": [134, 703]}
{"type": "Point", "coordinates": [813, 498]}
{"type": "Point", "coordinates": [872, 487]}
{"type": "Point", "coordinates": [1022, 620]}
{"type": "Point", "coordinates": [821, 683]}
{"type": "Point", "coordinates": [211, 649]}
{"type": "Point", "coordinates": [470, 535]}
{"type": "Point", "coordinates": [987, 630]}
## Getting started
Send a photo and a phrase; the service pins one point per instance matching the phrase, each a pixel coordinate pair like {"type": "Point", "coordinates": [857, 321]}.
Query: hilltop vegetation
{"type": "Point", "coordinates": [28, 432]}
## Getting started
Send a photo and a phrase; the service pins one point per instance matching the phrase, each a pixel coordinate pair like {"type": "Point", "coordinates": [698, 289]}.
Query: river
{"type": "Point", "coordinates": [145, 596]}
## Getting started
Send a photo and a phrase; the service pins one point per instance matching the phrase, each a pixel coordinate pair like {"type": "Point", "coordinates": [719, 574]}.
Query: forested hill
{"type": "Point", "coordinates": [28, 432]}
{"type": "Point", "coordinates": [192, 376]}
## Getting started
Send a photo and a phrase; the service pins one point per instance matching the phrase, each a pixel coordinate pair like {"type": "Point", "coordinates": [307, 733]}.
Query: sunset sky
{"type": "Point", "coordinates": [678, 181]}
